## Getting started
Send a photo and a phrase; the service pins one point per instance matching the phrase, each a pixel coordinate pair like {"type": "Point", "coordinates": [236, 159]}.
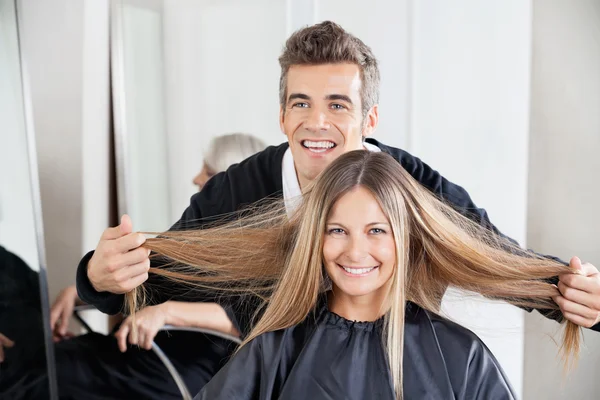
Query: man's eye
{"type": "Point", "coordinates": [337, 107]}
{"type": "Point", "coordinates": [300, 105]}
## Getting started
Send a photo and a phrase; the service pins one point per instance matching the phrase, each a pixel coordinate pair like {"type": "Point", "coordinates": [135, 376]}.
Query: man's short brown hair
{"type": "Point", "coordinates": [329, 43]}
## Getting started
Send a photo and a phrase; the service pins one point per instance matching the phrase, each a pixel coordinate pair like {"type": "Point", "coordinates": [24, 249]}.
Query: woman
{"type": "Point", "coordinates": [351, 286]}
{"type": "Point", "coordinates": [224, 151]}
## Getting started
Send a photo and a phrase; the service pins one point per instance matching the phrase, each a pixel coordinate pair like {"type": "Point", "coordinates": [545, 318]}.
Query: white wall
{"type": "Point", "coordinates": [470, 104]}
{"type": "Point", "coordinates": [564, 218]}
{"type": "Point", "coordinates": [222, 76]}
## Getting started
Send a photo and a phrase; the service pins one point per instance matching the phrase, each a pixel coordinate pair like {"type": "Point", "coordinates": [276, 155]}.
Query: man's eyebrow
{"type": "Point", "coordinates": [342, 97]}
{"type": "Point", "coordinates": [301, 96]}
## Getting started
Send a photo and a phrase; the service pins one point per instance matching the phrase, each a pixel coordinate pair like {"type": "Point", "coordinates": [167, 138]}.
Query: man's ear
{"type": "Point", "coordinates": [371, 121]}
{"type": "Point", "coordinates": [281, 119]}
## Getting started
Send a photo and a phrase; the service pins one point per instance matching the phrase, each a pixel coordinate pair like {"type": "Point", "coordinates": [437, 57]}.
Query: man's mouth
{"type": "Point", "coordinates": [320, 146]}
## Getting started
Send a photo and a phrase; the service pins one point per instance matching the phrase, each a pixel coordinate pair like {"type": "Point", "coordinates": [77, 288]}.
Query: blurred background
{"type": "Point", "coordinates": [502, 98]}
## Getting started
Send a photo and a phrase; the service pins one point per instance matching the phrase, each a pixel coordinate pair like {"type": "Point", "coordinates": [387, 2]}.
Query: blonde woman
{"type": "Point", "coordinates": [346, 292]}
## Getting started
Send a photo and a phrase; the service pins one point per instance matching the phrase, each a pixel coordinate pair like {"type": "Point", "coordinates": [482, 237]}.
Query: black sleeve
{"type": "Point", "coordinates": [240, 378]}
{"type": "Point", "coordinates": [242, 184]}
{"type": "Point", "coordinates": [485, 378]}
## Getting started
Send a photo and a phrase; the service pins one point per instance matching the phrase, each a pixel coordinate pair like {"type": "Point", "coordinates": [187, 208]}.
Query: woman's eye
{"type": "Point", "coordinates": [336, 231]}
{"type": "Point", "coordinates": [377, 231]}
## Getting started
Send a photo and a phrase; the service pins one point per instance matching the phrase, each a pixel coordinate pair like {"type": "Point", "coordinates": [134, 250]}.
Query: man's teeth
{"type": "Point", "coordinates": [318, 147]}
{"type": "Point", "coordinates": [358, 271]}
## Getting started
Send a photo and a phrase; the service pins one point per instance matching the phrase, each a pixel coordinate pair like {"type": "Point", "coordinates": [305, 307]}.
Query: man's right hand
{"type": "Point", "coordinates": [119, 264]}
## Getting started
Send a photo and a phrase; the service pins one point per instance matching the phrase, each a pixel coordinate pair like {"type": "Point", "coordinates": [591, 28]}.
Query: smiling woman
{"type": "Point", "coordinates": [355, 278]}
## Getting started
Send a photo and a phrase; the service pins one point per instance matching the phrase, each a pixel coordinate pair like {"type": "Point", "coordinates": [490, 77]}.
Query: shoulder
{"type": "Point", "coordinates": [264, 164]}
{"type": "Point", "coordinates": [253, 179]}
{"type": "Point", "coordinates": [471, 366]}
{"type": "Point", "coordinates": [397, 153]}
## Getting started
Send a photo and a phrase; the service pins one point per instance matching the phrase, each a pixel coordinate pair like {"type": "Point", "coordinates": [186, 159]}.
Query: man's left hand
{"type": "Point", "coordinates": [580, 300]}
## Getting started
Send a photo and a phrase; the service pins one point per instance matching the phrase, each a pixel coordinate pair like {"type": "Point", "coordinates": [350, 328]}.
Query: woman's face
{"type": "Point", "coordinates": [359, 250]}
{"type": "Point", "coordinates": [203, 177]}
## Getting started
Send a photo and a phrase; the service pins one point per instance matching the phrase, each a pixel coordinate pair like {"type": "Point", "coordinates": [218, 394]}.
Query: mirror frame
{"type": "Point", "coordinates": [37, 204]}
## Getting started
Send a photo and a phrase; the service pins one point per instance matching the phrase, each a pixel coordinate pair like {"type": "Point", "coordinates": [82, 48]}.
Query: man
{"type": "Point", "coordinates": [329, 90]}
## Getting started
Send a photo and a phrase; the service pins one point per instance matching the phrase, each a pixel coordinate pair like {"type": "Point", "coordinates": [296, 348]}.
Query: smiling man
{"type": "Point", "coordinates": [329, 93]}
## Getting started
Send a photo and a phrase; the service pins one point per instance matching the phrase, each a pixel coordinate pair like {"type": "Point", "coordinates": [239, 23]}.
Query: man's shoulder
{"type": "Point", "coordinates": [253, 179]}
{"type": "Point", "coordinates": [266, 161]}
{"type": "Point", "coordinates": [395, 152]}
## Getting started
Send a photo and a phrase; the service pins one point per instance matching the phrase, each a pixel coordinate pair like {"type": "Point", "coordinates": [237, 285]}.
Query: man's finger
{"type": "Point", "coordinates": [123, 229]}
{"type": "Point", "coordinates": [130, 242]}
{"type": "Point", "coordinates": [575, 263]}
{"type": "Point", "coordinates": [133, 271]}
{"type": "Point", "coordinates": [126, 226]}
{"type": "Point", "coordinates": [588, 284]}
{"type": "Point", "coordinates": [575, 308]}
{"type": "Point", "coordinates": [578, 296]}
{"type": "Point", "coordinates": [132, 257]}
{"type": "Point", "coordinates": [578, 320]}
{"type": "Point", "coordinates": [137, 280]}
{"type": "Point", "coordinates": [589, 269]}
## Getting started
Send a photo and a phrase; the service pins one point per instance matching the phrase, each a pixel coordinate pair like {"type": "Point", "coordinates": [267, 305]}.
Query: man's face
{"type": "Point", "coordinates": [322, 117]}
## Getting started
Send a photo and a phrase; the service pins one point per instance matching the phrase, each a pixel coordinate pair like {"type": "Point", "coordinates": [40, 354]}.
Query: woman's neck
{"type": "Point", "coordinates": [356, 308]}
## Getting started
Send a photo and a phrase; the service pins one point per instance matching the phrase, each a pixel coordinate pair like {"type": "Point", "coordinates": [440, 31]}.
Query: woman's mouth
{"type": "Point", "coordinates": [357, 271]}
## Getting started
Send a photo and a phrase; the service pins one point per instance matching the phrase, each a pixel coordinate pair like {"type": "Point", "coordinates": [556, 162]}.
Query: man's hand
{"type": "Point", "coordinates": [62, 311]}
{"type": "Point", "coordinates": [119, 264]}
{"type": "Point", "coordinates": [4, 342]}
{"type": "Point", "coordinates": [580, 300]}
{"type": "Point", "coordinates": [148, 322]}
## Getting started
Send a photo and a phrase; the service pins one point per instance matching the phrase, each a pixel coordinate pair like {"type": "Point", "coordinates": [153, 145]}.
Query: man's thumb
{"type": "Point", "coordinates": [126, 227]}
{"type": "Point", "coordinates": [575, 263]}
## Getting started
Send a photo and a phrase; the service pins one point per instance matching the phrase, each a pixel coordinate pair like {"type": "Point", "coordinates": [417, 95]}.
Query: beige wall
{"type": "Point", "coordinates": [564, 183]}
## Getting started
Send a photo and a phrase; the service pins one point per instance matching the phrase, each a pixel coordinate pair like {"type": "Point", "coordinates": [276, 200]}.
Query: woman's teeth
{"type": "Point", "coordinates": [358, 271]}
{"type": "Point", "coordinates": [318, 147]}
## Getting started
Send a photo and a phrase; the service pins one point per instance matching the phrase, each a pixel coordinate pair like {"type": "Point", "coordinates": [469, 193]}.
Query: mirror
{"type": "Point", "coordinates": [139, 110]}
{"type": "Point", "coordinates": [26, 350]}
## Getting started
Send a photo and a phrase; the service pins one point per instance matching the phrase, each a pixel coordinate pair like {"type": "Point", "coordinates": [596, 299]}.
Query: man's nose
{"type": "Point", "coordinates": [317, 121]}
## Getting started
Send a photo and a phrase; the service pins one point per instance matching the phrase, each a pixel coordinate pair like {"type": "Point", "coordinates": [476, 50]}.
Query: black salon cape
{"type": "Point", "coordinates": [328, 357]}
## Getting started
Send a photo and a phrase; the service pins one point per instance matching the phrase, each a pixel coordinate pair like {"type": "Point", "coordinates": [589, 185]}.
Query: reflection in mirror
{"type": "Point", "coordinates": [140, 126]}
{"type": "Point", "coordinates": [25, 345]}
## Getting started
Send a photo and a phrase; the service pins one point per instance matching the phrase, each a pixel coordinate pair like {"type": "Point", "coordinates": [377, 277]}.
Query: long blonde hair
{"type": "Point", "coordinates": [264, 253]}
